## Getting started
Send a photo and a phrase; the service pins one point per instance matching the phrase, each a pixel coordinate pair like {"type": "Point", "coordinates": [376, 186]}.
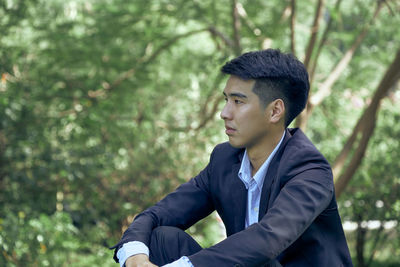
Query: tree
{"type": "Point", "coordinates": [106, 106]}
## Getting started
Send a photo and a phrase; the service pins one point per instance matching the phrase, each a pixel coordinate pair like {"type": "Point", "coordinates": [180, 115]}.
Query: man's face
{"type": "Point", "coordinates": [246, 121]}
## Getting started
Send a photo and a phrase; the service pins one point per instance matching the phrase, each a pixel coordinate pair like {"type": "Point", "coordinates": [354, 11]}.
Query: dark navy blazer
{"type": "Point", "coordinates": [299, 223]}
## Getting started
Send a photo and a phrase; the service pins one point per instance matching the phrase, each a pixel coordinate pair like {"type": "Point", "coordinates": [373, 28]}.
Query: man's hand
{"type": "Point", "coordinates": [139, 260]}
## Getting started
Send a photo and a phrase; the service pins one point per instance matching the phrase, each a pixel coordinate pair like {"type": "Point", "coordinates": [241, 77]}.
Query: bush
{"type": "Point", "coordinates": [43, 241]}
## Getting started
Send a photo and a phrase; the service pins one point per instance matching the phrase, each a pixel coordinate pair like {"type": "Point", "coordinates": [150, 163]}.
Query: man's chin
{"type": "Point", "coordinates": [235, 144]}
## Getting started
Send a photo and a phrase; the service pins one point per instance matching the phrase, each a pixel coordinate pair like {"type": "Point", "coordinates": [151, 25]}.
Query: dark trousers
{"type": "Point", "coordinates": [170, 243]}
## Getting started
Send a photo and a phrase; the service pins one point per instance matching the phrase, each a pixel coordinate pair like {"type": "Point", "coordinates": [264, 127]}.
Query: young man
{"type": "Point", "coordinates": [270, 185]}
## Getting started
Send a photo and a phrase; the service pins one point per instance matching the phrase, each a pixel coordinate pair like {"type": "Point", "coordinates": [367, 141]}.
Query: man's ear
{"type": "Point", "coordinates": [277, 110]}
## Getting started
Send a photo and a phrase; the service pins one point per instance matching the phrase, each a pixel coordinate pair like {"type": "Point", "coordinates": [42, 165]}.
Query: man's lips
{"type": "Point", "coordinates": [229, 130]}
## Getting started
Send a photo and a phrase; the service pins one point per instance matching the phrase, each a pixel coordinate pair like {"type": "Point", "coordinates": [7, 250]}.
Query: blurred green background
{"type": "Point", "coordinates": [107, 105]}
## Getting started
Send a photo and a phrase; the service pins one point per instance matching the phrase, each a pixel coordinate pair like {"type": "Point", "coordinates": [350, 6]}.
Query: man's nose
{"type": "Point", "coordinates": [226, 112]}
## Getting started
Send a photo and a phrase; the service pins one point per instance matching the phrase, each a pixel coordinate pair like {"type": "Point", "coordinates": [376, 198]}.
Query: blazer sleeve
{"type": "Point", "coordinates": [189, 203]}
{"type": "Point", "coordinates": [299, 202]}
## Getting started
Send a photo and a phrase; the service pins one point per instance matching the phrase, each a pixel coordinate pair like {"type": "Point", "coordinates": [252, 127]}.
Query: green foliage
{"type": "Point", "coordinates": [47, 241]}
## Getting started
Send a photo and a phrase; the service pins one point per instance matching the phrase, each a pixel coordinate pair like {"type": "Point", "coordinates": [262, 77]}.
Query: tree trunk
{"type": "Point", "coordinates": [363, 130]}
{"type": "Point", "coordinates": [360, 242]}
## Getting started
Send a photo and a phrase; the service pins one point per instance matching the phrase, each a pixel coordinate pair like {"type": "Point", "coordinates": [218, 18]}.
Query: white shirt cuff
{"type": "Point", "coordinates": [182, 262]}
{"type": "Point", "coordinates": [130, 249]}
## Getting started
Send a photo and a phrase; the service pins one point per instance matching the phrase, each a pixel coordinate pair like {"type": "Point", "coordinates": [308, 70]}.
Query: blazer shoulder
{"type": "Point", "coordinates": [226, 149]}
{"type": "Point", "coordinates": [300, 149]}
{"type": "Point", "coordinates": [224, 153]}
{"type": "Point", "coordinates": [299, 155]}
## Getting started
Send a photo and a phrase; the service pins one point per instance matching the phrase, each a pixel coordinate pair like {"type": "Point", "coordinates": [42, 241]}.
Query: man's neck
{"type": "Point", "coordinates": [259, 153]}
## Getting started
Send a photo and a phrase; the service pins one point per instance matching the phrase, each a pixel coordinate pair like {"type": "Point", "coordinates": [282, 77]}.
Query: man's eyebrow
{"type": "Point", "coordinates": [240, 95]}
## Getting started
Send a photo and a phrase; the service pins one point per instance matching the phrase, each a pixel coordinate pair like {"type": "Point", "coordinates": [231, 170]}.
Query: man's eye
{"type": "Point", "coordinates": [238, 101]}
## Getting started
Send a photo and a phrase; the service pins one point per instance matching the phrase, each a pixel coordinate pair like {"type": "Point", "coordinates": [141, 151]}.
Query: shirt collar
{"type": "Point", "coordinates": [245, 168]}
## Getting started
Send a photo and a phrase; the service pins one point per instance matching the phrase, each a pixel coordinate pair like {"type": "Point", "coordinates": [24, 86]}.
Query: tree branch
{"type": "Point", "coordinates": [314, 32]}
{"type": "Point", "coordinates": [204, 115]}
{"type": "Point", "coordinates": [360, 240]}
{"type": "Point", "coordinates": [377, 239]}
{"type": "Point", "coordinates": [146, 60]}
{"type": "Point", "coordinates": [325, 88]}
{"type": "Point", "coordinates": [211, 114]}
{"type": "Point", "coordinates": [248, 23]}
{"type": "Point", "coordinates": [204, 109]}
{"type": "Point", "coordinates": [228, 42]}
{"type": "Point", "coordinates": [364, 128]}
{"type": "Point", "coordinates": [356, 159]}
{"type": "Point", "coordinates": [236, 27]}
{"type": "Point", "coordinates": [292, 26]}
{"type": "Point", "coordinates": [322, 43]}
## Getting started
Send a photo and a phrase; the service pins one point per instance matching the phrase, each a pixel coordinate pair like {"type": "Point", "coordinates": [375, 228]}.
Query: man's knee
{"type": "Point", "coordinates": [170, 237]}
{"type": "Point", "coordinates": [169, 244]}
{"type": "Point", "coordinates": [166, 233]}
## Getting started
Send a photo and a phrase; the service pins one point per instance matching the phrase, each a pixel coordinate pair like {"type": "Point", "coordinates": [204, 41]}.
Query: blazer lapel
{"type": "Point", "coordinates": [239, 197]}
{"type": "Point", "coordinates": [270, 177]}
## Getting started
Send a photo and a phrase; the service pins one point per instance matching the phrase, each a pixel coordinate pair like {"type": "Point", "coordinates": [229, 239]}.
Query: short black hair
{"type": "Point", "coordinates": [278, 75]}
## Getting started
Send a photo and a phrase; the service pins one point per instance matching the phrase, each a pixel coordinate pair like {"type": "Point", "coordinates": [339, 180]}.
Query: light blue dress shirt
{"type": "Point", "coordinates": [253, 185]}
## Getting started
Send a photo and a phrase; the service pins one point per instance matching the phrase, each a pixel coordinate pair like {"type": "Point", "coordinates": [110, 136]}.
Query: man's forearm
{"type": "Point", "coordinates": [130, 249]}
